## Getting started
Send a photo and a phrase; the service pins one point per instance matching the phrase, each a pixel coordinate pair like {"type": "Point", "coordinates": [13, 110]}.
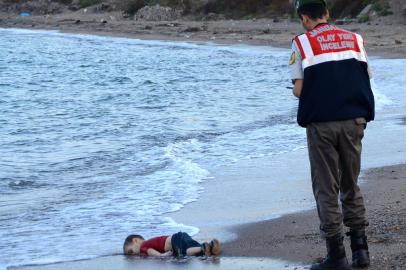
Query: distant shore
{"type": "Point", "coordinates": [382, 38]}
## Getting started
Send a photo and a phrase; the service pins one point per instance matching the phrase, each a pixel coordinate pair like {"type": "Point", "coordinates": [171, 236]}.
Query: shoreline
{"type": "Point", "coordinates": [243, 222]}
{"type": "Point", "coordinates": [120, 262]}
{"type": "Point", "coordinates": [290, 236]}
{"type": "Point", "coordinates": [285, 220]}
{"type": "Point", "coordinates": [260, 32]}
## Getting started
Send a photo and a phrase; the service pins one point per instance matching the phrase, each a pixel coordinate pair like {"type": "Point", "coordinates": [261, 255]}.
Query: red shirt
{"type": "Point", "coordinates": [157, 243]}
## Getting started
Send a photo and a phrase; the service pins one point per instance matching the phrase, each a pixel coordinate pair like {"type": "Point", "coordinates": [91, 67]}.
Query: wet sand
{"type": "Point", "coordinates": [296, 238]}
{"type": "Point", "coordinates": [123, 263]}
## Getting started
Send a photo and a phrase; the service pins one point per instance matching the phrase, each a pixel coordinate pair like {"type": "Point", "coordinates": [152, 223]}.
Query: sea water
{"type": "Point", "coordinates": [102, 137]}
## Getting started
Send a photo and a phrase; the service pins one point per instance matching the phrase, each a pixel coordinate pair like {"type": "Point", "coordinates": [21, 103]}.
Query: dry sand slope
{"type": "Point", "coordinates": [296, 238]}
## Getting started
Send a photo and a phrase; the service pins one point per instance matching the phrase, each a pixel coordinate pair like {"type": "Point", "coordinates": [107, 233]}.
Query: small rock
{"type": "Point", "coordinates": [77, 21]}
{"type": "Point", "coordinates": [214, 17]}
{"type": "Point", "coordinates": [157, 13]}
{"type": "Point", "coordinates": [276, 20]}
{"type": "Point", "coordinates": [343, 21]}
{"type": "Point", "coordinates": [148, 27]}
{"type": "Point", "coordinates": [398, 41]}
{"type": "Point", "coordinates": [365, 11]}
{"type": "Point", "coordinates": [73, 8]}
{"type": "Point", "coordinates": [192, 29]}
{"type": "Point", "coordinates": [104, 6]}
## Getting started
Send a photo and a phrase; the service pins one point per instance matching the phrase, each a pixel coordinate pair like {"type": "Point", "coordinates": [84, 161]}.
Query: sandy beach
{"type": "Point", "coordinates": [293, 239]}
{"type": "Point", "coordinates": [291, 236]}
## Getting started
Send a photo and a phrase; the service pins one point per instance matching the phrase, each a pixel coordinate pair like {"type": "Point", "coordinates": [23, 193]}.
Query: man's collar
{"type": "Point", "coordinates": [320, 24]}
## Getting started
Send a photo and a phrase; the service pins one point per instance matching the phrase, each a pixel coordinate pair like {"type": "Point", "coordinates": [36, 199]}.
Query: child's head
{"type": "Point", "coordinates": [132, 244]}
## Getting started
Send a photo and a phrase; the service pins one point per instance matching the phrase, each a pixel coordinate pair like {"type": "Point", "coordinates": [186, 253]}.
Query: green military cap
{"type": "Point", "coordinates": [301, 3]}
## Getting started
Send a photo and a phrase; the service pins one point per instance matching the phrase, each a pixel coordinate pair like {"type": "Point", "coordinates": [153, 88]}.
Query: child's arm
{"type": "Point", "coordinates": [153, 252]}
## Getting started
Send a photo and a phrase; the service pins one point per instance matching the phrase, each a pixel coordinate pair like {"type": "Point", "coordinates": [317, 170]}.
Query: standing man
{"type": "Point", "coordinates": [332, 81]}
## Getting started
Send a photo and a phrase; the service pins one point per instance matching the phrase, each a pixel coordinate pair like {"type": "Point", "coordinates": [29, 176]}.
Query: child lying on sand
{"type": "Point", "coordinates": [179, 244]}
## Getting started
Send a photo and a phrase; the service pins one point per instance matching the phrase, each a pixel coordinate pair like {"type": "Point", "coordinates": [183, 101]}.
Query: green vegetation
{"type": "Point", "coordinates": [237, 9]}
{"type": "Point", "coordinates": [65, 2]}
{"type": "Point", "coordinates": [132, 6]}
{"type": "Point", "coordinates": [343, 8]}
{"type": "Point", "coordinates": [247, 8]}
{"type": "Point", "coordinates": [382, 9]}
{"type": "Point", "coordinates": [87, 3]}
{"type": "Point", "coordinates": [11, 1]}
{"type": "Point", "coordinates": [364, 19]}
{"type": "Point", "coordinates": [346, 8]}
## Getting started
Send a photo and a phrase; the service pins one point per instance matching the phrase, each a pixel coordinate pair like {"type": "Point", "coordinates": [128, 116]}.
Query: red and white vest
{"type": "Point", "coordinates": [329, 43]}
{"type": "Point", "coordinates": [336, 83]}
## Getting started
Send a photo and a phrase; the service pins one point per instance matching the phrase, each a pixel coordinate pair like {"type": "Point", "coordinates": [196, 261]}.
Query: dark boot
{"type": "Point", "coordinates": [359, 248]}
{"type": "Point", "coordinates": [336, 259]}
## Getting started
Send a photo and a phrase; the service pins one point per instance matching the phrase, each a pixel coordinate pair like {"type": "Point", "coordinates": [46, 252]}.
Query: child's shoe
{"type": "Point", "coordinates": [215, 247]}
{"type": "Point", "coordinates": [206, 249]}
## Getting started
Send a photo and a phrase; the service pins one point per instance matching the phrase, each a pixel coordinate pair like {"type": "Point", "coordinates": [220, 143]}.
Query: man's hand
{"type": "Point", "coordinates": [297, 88]}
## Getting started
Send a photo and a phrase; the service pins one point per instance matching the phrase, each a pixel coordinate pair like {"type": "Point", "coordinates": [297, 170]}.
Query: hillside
{"type": "Point", "coordinates": [197, 9]}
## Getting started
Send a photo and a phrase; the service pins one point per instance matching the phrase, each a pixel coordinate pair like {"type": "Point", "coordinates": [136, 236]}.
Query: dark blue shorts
{"type": "Point", "coordinates": [181, 242]}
